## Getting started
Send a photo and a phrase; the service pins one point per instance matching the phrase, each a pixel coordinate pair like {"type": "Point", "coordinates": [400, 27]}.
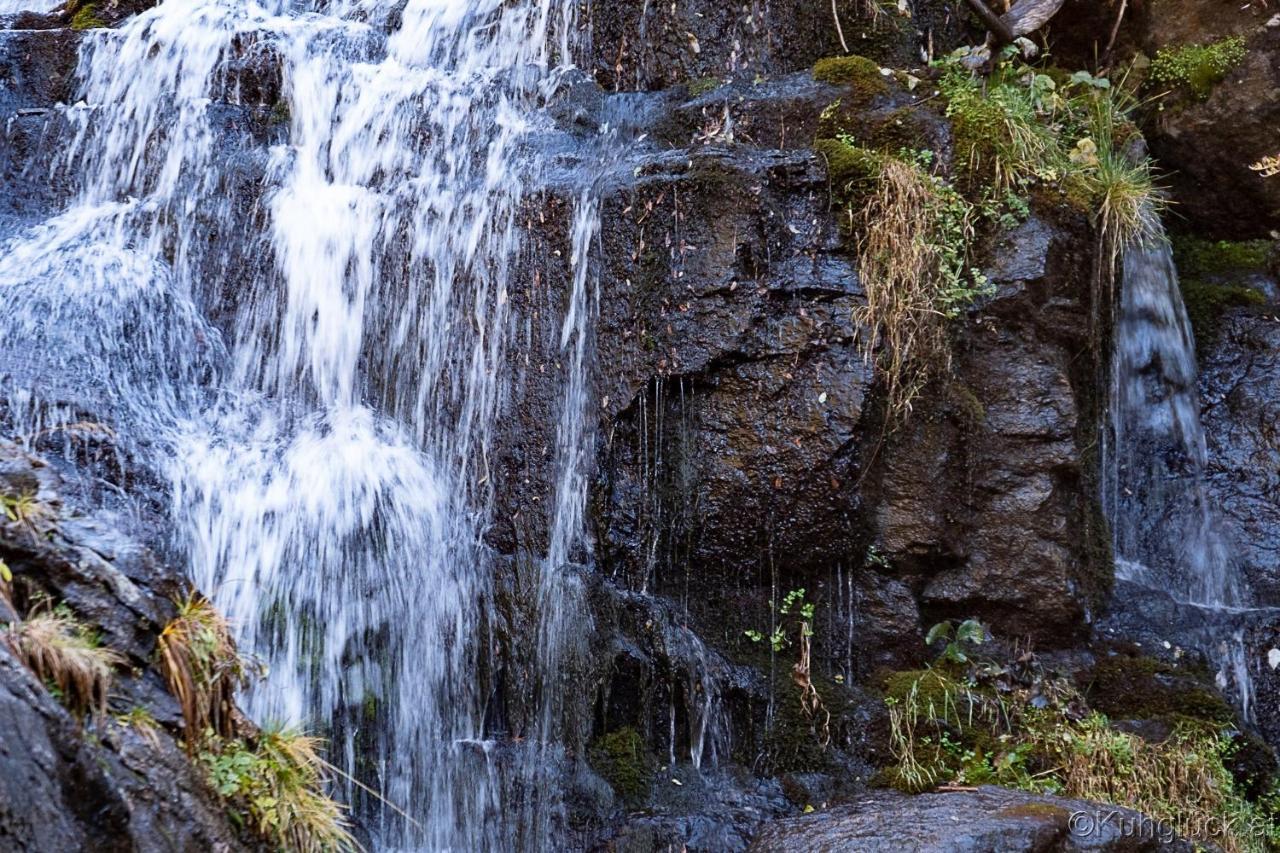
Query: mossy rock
{"type": "Point", "coordinates": [85, 17]}
{"type": "Point", "coordinates": [853, 169]}
{"type": "Point", "coordinates": [930, 686]}
{"type": "Point", "coordinates": [1207, 302]}
{"type": "Point", "coordinates": [1144, 688]}
{"type": "Point", "coordinates": [1197, 67]}
{"type": "Point", "coordinates": [1197, 258]}
{"type": "Point", "coordinates": [859, 75]}
{"type": "Point", "coordinates": [1214, 276]}
{"type": "Point", "coordinates": [703, 86]}
{"type": "Point", "coordinates": [621, 758]}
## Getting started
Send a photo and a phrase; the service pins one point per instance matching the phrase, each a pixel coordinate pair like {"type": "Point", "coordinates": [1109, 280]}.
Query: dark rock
{"type": "Point", "coordinates": [1240, 393]}
{"type": "Point", "coordinates": [986, 820]}
{"type": "Point", "coordinates": [1210, 175]}
{"type": "Point", "coordinates": [982, 502]}
{"type": "Point", "coordinates": [93, 784]}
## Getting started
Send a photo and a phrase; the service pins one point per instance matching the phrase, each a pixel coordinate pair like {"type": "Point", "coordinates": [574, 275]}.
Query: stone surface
{"type": "Point", "coordinates": [74, 784]}
{"type": "Point", "coordinates": [985, 820]}
{"type": "Point", "coordinates": [1240, 390]}
{"type": "Point", "coordinates": [1208, 145]}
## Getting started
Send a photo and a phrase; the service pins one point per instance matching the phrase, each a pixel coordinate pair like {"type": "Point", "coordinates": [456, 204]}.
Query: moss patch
{"type": "Point", "coordinates": [853, 169]}
{"type": "Point", "coordinates": [1197, 67]}
{"type": "Point", "coordinates": [1145, 688]}
{"type": "Point", "coordinates": [620, 757]}
{"type": "Point", "coordinates": [860, 75]}
{"type": "Point", "coordinates": [703, 85]}
{"type": "Point", "coordinates": [1212, 275]}
{"type": "Point", "coordinates": [86, 18]}
{"type": "Point", "coordinates": [1196, 257]}
{"type": "Point", "coordinates": [1206, 303]}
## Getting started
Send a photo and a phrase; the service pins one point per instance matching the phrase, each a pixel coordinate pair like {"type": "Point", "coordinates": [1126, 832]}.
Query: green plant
{"type": "Point", "coordinates": [278, 779]}
{"type": "Point", "coordinates": [67, 656]}
{"type": "Point", "coordinates": [1199, 67]}
{"type": "Point", "coordinates": [982, 724]}
{"type": "Point", "coordinates": [798, 624]}
{"type": "Point", "coordinates": [28, 510]}
{"type": "Point", "coordinates": [916, 231]}
{"type": "Point", "coordinates": [970, 631]}
{"type": "Point", "coordinates": [143, 722]}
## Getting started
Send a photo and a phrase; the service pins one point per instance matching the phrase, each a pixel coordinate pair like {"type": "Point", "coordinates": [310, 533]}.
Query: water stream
{"type": "Point", "coordinates": [325, 419]}
{"type": "Point", "coordinates": [1166, 535]}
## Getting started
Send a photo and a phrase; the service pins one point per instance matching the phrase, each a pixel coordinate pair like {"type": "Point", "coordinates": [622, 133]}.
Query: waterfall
{"type": "Point", "coordinates": [317, 377]}
{"type": "Point", "coordinates": [1165, 532]}
{"type": "Point", "coordinates": [1166, 535]}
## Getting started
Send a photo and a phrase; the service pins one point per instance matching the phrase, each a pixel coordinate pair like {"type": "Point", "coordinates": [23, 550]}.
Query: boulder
{"type": "Point", "coordinates": [985, 820]}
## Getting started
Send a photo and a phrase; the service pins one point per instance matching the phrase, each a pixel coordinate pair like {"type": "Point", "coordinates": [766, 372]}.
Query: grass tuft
{"type": "Point", "coordinates": [67, 656]}
{"type": "Point", "coordinates": [200, 661]}
{"type": "Point", "coordinates": [279, 781]}
{"type": "Point", "coordinates": [916, 230]}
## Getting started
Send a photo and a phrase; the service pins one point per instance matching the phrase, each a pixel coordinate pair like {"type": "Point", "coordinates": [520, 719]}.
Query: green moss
{"type": "Point", "coordinates": [703, 85]}
{"type": "Point", "coordinates": [1206, 303]}
{"type": "Point", "coordinates": [852, 168]}
{"type": "Point", "coordinates": [931, 686]}
{"type": "Point", "coordinates": [280, 113]}
{"type": "Point", "coordinates": [86, 18]}
{"type": "Point", "coordinates": [1198, 67]}
{"type": "Point", "coordinates": [1197, 257]}
{"type": "Point", "coordinates": [1036, 810]}
{"type": "Point", "coordinates": [861, 75]}
{"type": "Point", "coordinates": [1147, 689]}
{"type": "Point", "coordinates": [966, 405]}
{"type": "Point", "coordinates": [1213, 275]}
{"type": "Point", "coordinates": [620, 757]}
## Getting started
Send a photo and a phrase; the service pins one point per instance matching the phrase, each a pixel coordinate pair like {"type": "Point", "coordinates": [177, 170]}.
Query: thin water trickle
{"type": "Point", "coordinates": [1165, 532]}
{"type": "Point", "coordinates": [328, 445]}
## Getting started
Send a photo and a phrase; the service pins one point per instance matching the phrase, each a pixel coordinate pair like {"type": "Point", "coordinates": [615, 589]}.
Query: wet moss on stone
{"type": "Point", "coordinates": [85, 17]}
{"type": "Point", "coordinates": [861, 76]}
{"type": "Point", "coordinates": [1212, 274]}
{"type": "Point", "coordinates": [1144, 688]}
{"type": "Point", "coordinates": [703, 85]}
{"type": "Point", "coordinates": [852, 169]}
{"type": "Point", "coordinates": [621, 758]}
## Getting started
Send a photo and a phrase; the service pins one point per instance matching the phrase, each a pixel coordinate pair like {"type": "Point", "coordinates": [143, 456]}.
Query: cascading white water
{"type": "Point", "coordinates": [330, 462]}
{"type": "Point", "coordinates": [1164, 530]}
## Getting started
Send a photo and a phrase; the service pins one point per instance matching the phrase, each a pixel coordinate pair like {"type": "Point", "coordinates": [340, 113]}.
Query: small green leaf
{"type": "Point", "coordinates": [941, 631]}
{"type": "Point", "coordinates": [5, 574]}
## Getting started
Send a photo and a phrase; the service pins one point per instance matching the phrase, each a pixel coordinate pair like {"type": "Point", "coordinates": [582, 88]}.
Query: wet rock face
{"type": "Point", "coordinates": [986, 819]}
{"type": "Point", "coordinates": [1240, 389]}
{"type": "Point", "coordinates": [1209, 165]}
{"type": "Point", "coordinates": [737, 390]}
{"type": "Point", "coordinates": [983, 502]}
{"type": "Point", "coordinates": [93, 783]}
{"type": "Point", "coordinates": [638, 45]}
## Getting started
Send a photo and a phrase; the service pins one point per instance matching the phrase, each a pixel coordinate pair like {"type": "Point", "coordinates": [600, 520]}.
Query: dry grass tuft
{"type": "Point", "coordinates": [911, 264]}
{"type": "Point", "coordinates": [68, 657]}
{"type": "Point", "coordinates": [203, 668]}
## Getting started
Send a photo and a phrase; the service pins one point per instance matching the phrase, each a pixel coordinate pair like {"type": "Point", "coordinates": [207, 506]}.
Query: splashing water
{"type": "Point", "coordinates": [325, 417]}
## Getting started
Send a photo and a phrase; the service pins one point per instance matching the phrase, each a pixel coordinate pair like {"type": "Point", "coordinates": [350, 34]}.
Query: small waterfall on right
{"type": "Point", "coordinates": [1166, 535]}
